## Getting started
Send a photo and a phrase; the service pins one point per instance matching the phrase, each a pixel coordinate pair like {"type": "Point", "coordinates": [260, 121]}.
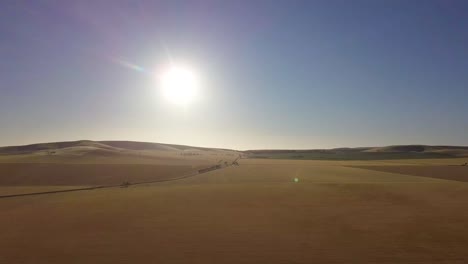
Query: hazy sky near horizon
{"type": "Point", "coordinates": [273, 74]}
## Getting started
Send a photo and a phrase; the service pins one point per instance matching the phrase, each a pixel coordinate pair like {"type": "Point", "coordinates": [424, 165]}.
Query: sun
{"type": "Point", "coordinates": [179, 85]}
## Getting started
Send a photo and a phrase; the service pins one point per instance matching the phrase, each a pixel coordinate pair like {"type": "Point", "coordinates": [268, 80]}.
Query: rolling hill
{"type": "Point", "coordinates": [87, 151]}
{"type": "Point", "coordinates": [143, 152]}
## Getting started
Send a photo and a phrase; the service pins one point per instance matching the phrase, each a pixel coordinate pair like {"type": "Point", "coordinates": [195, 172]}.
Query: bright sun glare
{"type": "Point", "coordinates": [179, 85]}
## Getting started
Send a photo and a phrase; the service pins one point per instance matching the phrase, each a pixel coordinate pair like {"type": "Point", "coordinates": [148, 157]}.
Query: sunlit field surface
{"type": "Point", "coordinates": [263, 211]}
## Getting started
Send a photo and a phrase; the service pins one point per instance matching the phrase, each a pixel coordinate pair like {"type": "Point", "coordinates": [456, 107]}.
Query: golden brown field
{"type": "Point", "coordinates": [252, 213]}
{"type": "Point", "coordinates": [37, 174]}
{"type": "Point", "coordinates": [73, 165]}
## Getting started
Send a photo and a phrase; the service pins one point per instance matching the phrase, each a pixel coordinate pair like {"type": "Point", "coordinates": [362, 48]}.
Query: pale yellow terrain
{"type": "Point", "coordinates": [156, 157]}
{"type": "Point", "coordinates": [252, 213]}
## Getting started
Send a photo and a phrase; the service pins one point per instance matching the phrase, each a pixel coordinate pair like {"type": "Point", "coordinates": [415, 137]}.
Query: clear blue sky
{"type": "Point", "coordinates": [275, 74]}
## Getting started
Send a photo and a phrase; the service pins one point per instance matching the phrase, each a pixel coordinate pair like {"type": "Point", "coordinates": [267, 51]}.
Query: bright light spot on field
{"type": "Point", "coordinates": [296, 180]}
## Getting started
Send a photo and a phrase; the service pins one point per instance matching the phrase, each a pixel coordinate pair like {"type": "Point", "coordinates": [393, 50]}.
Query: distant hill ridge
{"type": "Point", "coordinates": [388, 152]}
{"type": "Point", "coordinates": [107, 148]}
{"type": "Point", "coordinates": [394, 148]}
{"type": "Point", "coordinates": [101, 145]}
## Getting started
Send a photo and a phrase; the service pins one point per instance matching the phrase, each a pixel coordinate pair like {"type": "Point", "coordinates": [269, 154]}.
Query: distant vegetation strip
{"type": "Point", "coordinates": [348, 156]}
{"type": "Point", "coordinates": [368, 153]}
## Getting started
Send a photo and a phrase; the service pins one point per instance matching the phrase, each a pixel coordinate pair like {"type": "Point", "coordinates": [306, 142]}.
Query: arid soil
{"type": "Point", "coordinates": [262, 211]}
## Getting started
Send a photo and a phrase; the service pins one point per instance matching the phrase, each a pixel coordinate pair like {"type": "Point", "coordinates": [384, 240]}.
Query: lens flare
{"type": "Point", "coordinates": [179, 85]}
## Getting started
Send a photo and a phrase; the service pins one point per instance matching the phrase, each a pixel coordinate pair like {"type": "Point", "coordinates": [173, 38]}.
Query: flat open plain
{"type": "Point", "coordinates": [252, 213]}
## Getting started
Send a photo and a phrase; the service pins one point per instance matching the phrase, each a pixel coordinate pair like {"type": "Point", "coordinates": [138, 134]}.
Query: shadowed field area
{"type": "Point", "coordinates": [455, 173]}
{"type": "Point", "coordinates": [252, 213]}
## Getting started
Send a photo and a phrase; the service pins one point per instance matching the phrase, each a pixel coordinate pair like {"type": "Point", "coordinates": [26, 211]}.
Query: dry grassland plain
{"type": "Point", "coordinates": [81, 167]}
{"type": "Point", "coordinates": [253, 213]}
{"type": "Point", "coordinates": [37, 174]}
